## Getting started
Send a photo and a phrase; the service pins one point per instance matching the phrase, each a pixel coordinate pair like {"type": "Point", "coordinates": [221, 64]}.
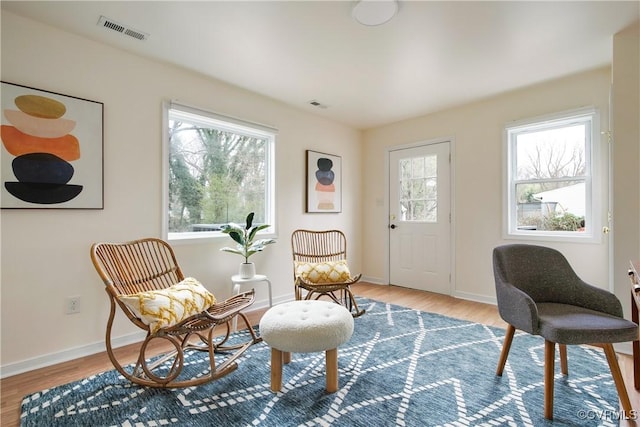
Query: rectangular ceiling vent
{"type": "Point", "coordinates": [110, 24]}
{"type": "Point", "coordinates": [318, 104]}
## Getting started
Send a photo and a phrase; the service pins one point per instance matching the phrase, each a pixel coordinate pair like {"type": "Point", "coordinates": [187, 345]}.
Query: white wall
{"type": "Point", "coordinates": [45, 253]}
{"type": "Point", "coordinates": [477, 132]}
{"type": "Point", "coordinates": [626, 157]}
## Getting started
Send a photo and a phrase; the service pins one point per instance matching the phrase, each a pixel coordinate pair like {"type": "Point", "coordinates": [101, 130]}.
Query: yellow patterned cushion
{"type": "Point", "coordinates": [323, 272]}
{"type": "Point", "coordinates": [170, 306]}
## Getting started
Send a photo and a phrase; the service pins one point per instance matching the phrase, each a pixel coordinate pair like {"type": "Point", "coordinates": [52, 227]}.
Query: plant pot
{"type": "Point", "coordinates": [247, 270]}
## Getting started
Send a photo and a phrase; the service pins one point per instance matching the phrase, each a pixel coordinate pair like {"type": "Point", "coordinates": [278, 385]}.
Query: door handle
{"type": "Point", "coordinates": [392, 226]}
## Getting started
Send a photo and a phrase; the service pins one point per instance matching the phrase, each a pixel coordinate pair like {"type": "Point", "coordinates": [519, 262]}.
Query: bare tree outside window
{"type": "Point", "coordinates": [552, 153]}
{"type": "Point", "coordinates": [550, 175]}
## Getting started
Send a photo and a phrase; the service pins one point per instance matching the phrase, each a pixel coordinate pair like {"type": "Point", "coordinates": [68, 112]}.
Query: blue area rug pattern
{"type": "Point", "coordinates": [402, 367]}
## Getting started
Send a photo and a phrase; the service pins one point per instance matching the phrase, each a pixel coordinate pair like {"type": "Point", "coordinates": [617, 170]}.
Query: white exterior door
{"type": "Point", "coordinates": [420, 217]}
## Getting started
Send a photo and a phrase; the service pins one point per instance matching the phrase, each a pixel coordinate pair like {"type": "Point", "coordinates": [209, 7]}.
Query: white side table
{"type": "Point", "coordinates": [238, 281]}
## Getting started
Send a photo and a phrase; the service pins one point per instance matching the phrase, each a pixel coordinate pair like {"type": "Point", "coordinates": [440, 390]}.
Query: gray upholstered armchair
{"type": "Point", "coordinates": [538, 292]}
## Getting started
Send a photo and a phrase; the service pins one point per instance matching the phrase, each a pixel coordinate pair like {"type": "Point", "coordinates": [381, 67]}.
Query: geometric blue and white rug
{"type": "Point", "coordinates": [402, 367]}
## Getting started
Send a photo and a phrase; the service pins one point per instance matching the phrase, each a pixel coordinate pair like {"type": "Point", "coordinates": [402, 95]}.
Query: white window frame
{"type": "Point", "coordinates": [231, 124]}
{"type": "Point", "coordinates": [593, 192]}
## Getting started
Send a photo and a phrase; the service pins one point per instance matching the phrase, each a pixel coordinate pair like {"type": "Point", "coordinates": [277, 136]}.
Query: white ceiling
{"type": "Point", "coordinates": [431, 55]}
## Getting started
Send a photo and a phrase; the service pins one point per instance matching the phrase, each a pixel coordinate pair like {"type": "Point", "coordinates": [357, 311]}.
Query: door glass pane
{"type": "Point", "coordinates": [431, 188]}
{"type": "Point", "coordinates": [417, 165]}
{"type": "Point", "coordinates": [417, 189]}
{"type": "Point", "coordinates": [405, 169]}
{"type": "Point", "coordinates": [418, 182]}
{"type": "Point", "coordinates": [431, 166]}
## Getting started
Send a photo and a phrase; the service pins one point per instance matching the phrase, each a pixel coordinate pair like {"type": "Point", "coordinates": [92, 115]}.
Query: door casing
{"type": "Point", "coordinates": [451, 141]}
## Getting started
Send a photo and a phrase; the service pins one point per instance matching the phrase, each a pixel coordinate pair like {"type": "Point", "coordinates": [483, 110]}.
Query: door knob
{"type": "Point", "coordinates": [392, 226]}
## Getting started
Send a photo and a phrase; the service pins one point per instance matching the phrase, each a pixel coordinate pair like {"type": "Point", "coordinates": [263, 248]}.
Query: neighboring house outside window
{"type": "Point", "coordinates": [218, 169]}
{"type": "Point", "coordinates": [551, 190]}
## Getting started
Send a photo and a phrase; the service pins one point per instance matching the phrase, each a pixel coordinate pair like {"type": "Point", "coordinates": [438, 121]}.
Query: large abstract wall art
{"type": "Point", "coordinates": [52, 147]}
{"type": "Point", "coordinates": [324, 182]}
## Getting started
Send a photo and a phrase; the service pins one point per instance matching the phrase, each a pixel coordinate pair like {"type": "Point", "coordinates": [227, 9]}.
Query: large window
{"type": "Point", "coordinates": [551, 176]}
{"type": "Point", "coordinates": [218, 169]}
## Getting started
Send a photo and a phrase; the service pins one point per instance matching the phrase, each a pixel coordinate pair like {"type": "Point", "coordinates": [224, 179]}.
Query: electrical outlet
{"type": "Point", "coordinates": [72, 305]}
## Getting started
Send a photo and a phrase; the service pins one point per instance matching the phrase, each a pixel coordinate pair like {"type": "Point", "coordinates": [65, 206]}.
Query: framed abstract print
{"type": "Point", "coordinates": [324, 182]}
{"type": "Point", "coordinates": [52, 150]}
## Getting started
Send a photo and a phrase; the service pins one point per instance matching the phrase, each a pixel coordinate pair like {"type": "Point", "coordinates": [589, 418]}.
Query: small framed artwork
{"type": "Point", "coordinates": [52, 150]}
{"type": "Point", "coordinates": [324, 182]}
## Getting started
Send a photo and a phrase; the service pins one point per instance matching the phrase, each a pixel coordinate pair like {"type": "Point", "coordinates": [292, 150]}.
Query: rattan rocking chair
{"type": "Point", "coordinates": [150, 265]}
{"type": "Point", "coordinates": [323, 247]}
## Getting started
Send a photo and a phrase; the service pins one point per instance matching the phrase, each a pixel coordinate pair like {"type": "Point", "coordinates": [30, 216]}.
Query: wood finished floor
{"type": "Point", "coordinates": [14, 388]}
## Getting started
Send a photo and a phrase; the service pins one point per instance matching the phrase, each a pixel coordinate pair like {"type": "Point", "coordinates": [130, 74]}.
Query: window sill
{"type": "Point", "coordinates": [570, 237]}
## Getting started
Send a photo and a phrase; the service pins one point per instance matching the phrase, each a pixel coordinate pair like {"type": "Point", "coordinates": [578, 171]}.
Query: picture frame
{"type": "Point", "coordinates": [52, 150]}
{"type": "Point", "coordinates": [323, 182]}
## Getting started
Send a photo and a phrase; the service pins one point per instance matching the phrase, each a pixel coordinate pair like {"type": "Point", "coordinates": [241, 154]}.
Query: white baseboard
{"type": "Point", "coordinates": [50, 359]}
{"type": "Point", "coordinates": [624, 348]}
{"type": "Point", "coordinates": [475, 297]}
{"type": "Point", "coordinates": [462, 295]}
{"type": "Point", "coordinates": [66, 355]}
{"type": "Point", "coordinates": [373, 280]}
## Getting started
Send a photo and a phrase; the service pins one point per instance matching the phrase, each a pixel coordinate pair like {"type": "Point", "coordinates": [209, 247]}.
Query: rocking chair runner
{"type": "Point", "coordinates": [323, 254]}
{"type": "Point", "coordinates": [150, 265]}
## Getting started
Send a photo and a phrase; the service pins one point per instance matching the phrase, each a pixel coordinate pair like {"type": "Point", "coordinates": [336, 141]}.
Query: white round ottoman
{"type": "Point", "coordinates": [306, 327]}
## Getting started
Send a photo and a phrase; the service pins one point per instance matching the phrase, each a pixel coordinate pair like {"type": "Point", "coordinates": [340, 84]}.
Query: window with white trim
{"type": "Point", "coordinates": [218, 169]}
{"type": "Point", "coordinates": [550, 174]}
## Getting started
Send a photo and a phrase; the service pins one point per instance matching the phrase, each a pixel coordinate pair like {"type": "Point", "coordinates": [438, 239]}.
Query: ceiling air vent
{"type": "Point", "coordinates": [110, 24]}
{"type": "Point", "coordinates": [318, 104]}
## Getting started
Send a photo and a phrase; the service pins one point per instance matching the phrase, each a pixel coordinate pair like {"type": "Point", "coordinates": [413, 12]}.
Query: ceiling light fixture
{"type": "Point", "coordinates": [374, 12]}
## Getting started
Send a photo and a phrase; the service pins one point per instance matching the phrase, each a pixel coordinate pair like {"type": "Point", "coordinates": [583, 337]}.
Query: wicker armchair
{"type": "Point", "coordinates": [323, 249]}
{"type": "Point", "coordinates": [146, 265]}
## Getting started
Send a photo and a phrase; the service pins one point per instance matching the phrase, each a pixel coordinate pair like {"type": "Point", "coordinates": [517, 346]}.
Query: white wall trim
{"type": "Point", "coordinates": [66, 355]}
{"type": "Point", "coordinates": [451, 141]}
{"type": "Point", "coordinates": [97, 347]}
{"type": "Point", "coordinates": [374, 280]}
{"type": "Point", "coordinates": [476, 297]}
{"type": "Point", "coordinates": [623, 347]}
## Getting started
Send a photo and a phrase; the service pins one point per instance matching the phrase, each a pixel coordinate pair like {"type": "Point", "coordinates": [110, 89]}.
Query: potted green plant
{"type": "Point", "coordinates": [246, 243]}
